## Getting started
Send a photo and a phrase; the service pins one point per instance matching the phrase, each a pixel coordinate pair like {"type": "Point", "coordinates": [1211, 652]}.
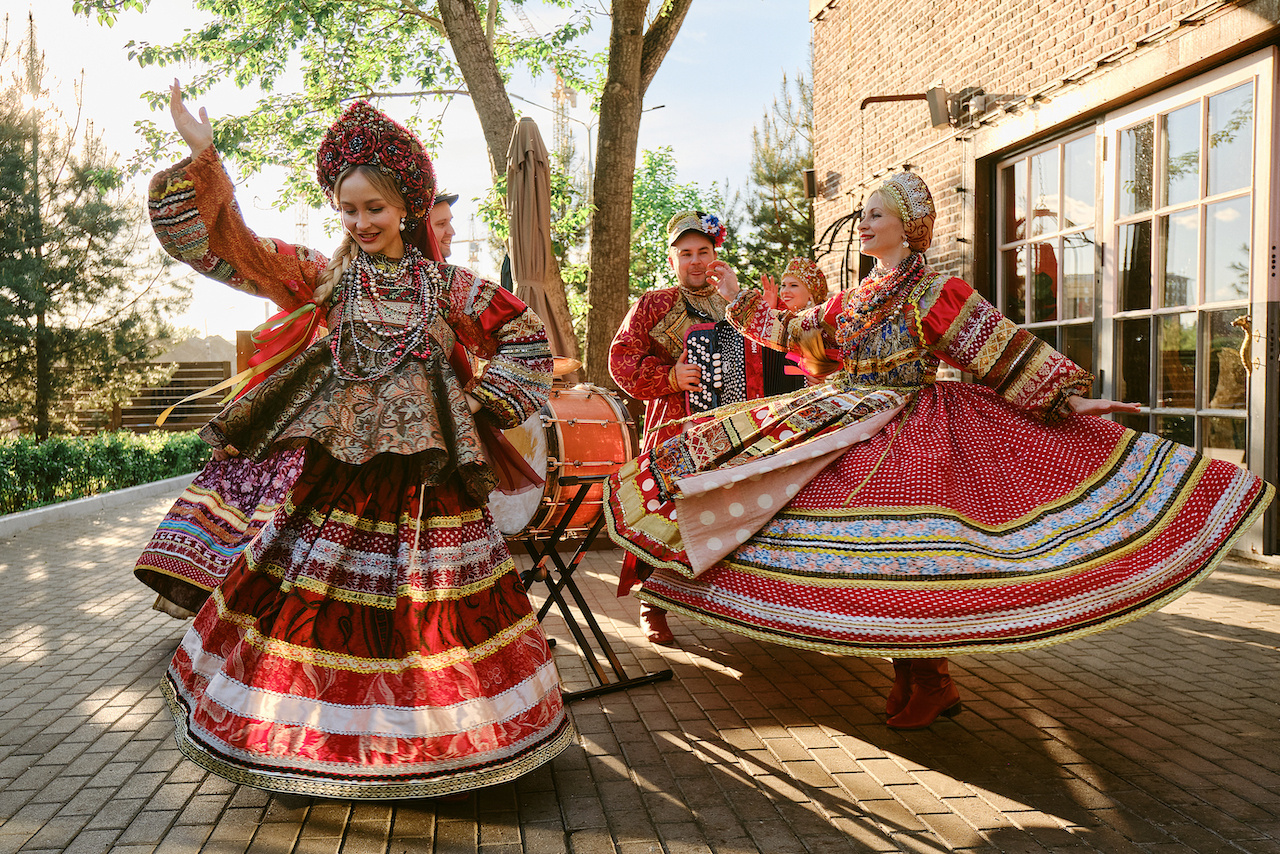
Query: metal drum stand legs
{"type": "Point", "coordinates": [549, 567]}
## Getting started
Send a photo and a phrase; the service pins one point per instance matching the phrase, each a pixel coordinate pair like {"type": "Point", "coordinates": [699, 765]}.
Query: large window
{"type": "Point", "coordinates": [1181, 206]}
{"type": "Point", "coordinates": [1047, 272]}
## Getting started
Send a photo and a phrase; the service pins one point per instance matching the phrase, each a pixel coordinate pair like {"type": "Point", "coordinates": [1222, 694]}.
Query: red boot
{"type": "Point", "coordinates": [932, 694]}
{"type": "Point", "coordinates": [901, 690]}
{"type": "Point", "coordinates": [654, 622]}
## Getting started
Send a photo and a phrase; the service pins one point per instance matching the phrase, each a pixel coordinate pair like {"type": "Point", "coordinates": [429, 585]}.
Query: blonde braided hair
{"type": "Point", "coordinates": [329, 277]}
{"type": "Point", "coordinates": [814, 350]}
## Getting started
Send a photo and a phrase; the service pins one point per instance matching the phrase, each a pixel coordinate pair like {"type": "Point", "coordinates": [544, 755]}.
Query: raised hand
{"type": "Point", "coordinates": [198, 133]}
{"type": "Point", "coordinates": [770, 290]}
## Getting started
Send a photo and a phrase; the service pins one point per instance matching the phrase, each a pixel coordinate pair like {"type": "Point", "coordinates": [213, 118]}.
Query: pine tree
{"type": "Point", "coordinates": [80, 304]}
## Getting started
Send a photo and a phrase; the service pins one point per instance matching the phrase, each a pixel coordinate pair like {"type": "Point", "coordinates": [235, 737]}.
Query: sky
{"type": "Point", "coordinates": [721, 74]}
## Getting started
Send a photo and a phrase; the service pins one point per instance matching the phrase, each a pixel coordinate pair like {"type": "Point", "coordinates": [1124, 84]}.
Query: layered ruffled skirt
{"type": "Point", "coordinates": [374, 641]}
{"type": "Point", "coordinates": [921, 524]}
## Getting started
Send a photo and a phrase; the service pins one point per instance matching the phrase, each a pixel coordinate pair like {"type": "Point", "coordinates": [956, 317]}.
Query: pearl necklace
{"type": "Point", "coordinates": [386, 311]}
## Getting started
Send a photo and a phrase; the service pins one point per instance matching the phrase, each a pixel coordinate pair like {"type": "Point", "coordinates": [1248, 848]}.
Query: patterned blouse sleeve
{"type": "Point", "coordinates": [495, 326]}
{"type": "Point", "coordinates": [968, 332]}
{"type": "Point", "coordinates": [197, 220]}
{"type": "Point", "coordinates": [778, 329]}
{"type": "Point", "coordinates": [639, 369]}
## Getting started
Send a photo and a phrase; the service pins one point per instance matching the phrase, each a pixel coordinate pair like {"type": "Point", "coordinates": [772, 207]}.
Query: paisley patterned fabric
{"type": "Point", "coordinates": [884, 513]}
{"type": "Point", "coordinates": [212, 521]}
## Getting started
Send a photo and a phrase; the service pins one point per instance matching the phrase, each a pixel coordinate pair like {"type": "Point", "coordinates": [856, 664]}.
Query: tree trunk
{"type": "Point", "coordinates": [610, 256]}
{"type": "Point", "coordinates": [466, 34]}
{"type": "Point", "coordinates": [634, 57]}
{"type": "Point", "coordinates": [44, 377]}
{"type": "Point", "coordinates": [484, 82]}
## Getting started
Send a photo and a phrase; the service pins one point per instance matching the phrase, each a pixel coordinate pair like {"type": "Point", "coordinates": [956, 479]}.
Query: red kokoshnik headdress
{"type": "Point", "coordinates": [365, 136]}
{"type": "Point", "coordinates": [808, 274]}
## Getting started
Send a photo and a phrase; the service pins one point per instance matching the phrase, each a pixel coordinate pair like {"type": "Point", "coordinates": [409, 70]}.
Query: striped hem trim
{"type": "Point", "coordinates": [389, 789]}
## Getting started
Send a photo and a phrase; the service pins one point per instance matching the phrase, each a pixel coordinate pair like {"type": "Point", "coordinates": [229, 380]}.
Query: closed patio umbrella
{"type": "Point", "coordinates": [529, 246]}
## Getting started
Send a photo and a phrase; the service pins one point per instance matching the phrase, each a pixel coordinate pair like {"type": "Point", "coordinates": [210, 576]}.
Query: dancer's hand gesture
{"type": "Point", "coordinates": [1081, 405]}
{"type": "Point", "coordinates": [770, 290]}
{"type": "Point", "coordinates": [198, 133]}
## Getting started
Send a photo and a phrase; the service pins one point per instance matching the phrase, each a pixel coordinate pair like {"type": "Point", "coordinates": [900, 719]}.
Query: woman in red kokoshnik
{"type": "Point", "coordinates": [883, 513]}
{"type": "Point", "coordinates": [373, 640]}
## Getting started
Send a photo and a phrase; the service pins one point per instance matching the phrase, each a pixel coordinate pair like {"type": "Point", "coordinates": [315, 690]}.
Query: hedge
{"type": "Point", "coordinates": [66, 467]}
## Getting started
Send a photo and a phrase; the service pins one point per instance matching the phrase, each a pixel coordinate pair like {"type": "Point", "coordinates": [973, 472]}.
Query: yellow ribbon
{"type": "Point", "coordinates": [275, 327]}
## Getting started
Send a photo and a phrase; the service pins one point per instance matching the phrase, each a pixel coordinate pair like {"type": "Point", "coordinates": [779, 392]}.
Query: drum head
{"type": "Point", "coordinates": [511, 513]}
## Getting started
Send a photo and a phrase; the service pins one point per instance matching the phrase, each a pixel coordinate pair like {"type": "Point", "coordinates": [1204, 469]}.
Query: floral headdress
{"type": "Point", "coordinates": [911, 196]}
{"type": "Point", "coordinates": [813, 279]}
{"type": "Point", "coordinates": [365, 136]}
{"type": "Point", "coordinates": [708, 224]}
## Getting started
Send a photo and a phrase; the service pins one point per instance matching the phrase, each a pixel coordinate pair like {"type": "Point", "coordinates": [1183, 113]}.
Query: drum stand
{"type": "Point", "coordinates": [544, 551]}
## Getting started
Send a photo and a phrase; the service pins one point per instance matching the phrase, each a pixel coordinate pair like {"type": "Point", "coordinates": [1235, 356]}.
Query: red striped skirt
{"type": "Point", "coordinates": [373, 642]}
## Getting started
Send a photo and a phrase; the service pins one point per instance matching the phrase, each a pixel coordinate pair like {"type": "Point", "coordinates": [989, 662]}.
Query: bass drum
{"type": "Point", "coordinates": [582, 431]}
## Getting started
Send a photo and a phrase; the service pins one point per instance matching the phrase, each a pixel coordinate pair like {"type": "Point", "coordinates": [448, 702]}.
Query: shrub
{"type": "Point", "coordinates": [67, 467]}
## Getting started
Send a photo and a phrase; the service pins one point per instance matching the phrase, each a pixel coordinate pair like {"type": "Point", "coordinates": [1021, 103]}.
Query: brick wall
{"type": "Point", "coordinates": [1009, 48]}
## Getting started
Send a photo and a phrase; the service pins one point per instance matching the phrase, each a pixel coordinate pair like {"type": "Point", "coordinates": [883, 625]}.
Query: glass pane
{"type": "Point", "coordinates": [1225, 438]}
{"type": "Point", "coordinates": [1044, 192]}
{"type": "Point", "coordinates": [1182, 155]}
{"type": "Point", "coordinates": [1177, 360]}
{"type": "Point", "coordinates": [1047, 334]}
{"type": "Point", "coordinates": [1077, 345]}
{"type": "Point", "coordinates": [1135, 169]}
{"type": "Point", "coordinates": [1013, 192]}
{"type": "Point", "coordinates": [1177, 428]}
{"type": "Point", "coordinates": [1078, 192]}
{"type": "Point", "coordinates": [1044, 282]}
{"type": "Point", "coordinates": [1231, 139]}
{"type": "Point", "coordinates": [1014, 270]}
{"type": "Point", "coordinates": [1227, 384]}
{"type": "Point", "coordinates": [1226, 250]}
{"type": "Point", "coordinates": [1134, 360]}
{"type": "Point", "coordinates": [1140, 423]}
{"type": "Point", "coordinates": [1135, 266]}
{"type": "Point", "coordinates": [1078, 274]}
{"type": "Point", "coordinates": [1179, 240]}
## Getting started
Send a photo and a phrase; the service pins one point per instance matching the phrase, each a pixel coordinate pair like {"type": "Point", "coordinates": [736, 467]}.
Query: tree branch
{"type": "Point", "coordinates": [658, 40]}
{"type": "Point", "coordinates": [415, 94]}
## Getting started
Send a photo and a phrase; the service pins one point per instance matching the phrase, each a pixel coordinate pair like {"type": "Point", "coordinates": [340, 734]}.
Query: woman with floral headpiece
{"type": "Point", "coordinates": [886, 514]}
{"type": "Point", "coordinates": [373, 641]}
{"type": "Point", "coordinates": [801, 285]}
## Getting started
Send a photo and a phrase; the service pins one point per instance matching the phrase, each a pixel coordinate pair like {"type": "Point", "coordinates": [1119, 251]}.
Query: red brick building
{"type": "Point", "coordinates": [1103, 172]}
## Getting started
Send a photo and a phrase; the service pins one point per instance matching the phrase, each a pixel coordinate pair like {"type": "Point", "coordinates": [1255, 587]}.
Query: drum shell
{"type": "Point", "coordinates": [588, 433]}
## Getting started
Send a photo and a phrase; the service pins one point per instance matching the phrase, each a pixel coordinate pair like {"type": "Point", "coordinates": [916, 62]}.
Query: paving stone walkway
{"type": "Point", "coordinates": [1160, 737]}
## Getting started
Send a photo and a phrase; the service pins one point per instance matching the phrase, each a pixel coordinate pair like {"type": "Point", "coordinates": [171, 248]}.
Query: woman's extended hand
{"type": "Point", "coordinates": [198, 133]}
{"type": "Point", "coordinates": [473, 402]}
{"type": "Point", "coordinates": [1081, 405]}
{"type": "Point", "coordinates": [770, 290]}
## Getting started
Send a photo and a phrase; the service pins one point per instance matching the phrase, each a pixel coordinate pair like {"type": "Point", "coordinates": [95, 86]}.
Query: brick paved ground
{"type": "Point", "coordinates": [1160, 737]}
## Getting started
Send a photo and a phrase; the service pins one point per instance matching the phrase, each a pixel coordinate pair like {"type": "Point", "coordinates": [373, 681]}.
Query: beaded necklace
{"type": "Point", "coordinates": [878, 297]}
{"type": "Point", "coordinates": [386, 309]}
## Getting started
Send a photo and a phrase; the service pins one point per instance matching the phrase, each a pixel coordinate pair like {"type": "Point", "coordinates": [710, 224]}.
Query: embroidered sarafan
{"type": "Point", "coordinates": [886, 513]}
